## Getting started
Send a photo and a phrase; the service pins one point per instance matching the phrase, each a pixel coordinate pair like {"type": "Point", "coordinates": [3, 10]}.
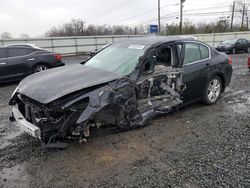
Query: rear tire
{"type": "Point", "coordinates": [248, 50]}
{"type": "Point", "coordinates": [233, 51]}
{"type": "Point", "coordinates": [40, 68]}
{"type": "Point", "coordinates": [212, 90]}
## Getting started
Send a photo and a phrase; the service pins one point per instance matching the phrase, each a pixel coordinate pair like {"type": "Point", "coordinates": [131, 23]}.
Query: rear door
{"type": "Point", "coordinates": [196, 63]}
{"type": "Point", "coordinates": [4, 69]}
{"type": "Point", "coordinates": [18, 60]}
{"type": "Point", "coordinates": [239, 45]}
{"type": "Point", "coordinates": [245, 45]}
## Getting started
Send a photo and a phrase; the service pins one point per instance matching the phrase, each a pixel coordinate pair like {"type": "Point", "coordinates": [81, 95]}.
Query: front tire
{"type": "Point", "coordinates": [212, 90]}
{"type": "Point", "coordinates": [40, 68]}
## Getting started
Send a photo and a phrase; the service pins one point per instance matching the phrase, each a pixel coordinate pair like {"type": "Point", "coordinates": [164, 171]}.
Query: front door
{"type": "Point", "coordinates": [18, 61]}
{"type": "Point", "coordinates": [156, 87]}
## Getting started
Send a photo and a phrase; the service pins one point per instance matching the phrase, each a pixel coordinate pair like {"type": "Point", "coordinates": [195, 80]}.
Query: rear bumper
{"type": "Point", "coordinates": [24, 124]}
{"type": "Point", "coordinates": [228, 76]}
{"type": "Point", "coordinates": [248, 62]}
{"type": "Point", "coordinates": [59, 64]}
{"type": "Point", "coordinates": [225, 50]}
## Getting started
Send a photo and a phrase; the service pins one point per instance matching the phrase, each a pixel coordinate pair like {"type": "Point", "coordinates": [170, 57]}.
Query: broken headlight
{"type": "Point", "coordinates": [36, 117]}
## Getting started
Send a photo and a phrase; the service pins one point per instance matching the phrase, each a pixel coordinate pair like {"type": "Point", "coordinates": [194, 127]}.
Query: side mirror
{"type": "Point", "coordinates": [237, 43]}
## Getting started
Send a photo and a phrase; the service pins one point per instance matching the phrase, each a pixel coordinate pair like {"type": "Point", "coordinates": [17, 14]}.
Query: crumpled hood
{"type": "Point", "coordinates": [52, 84]}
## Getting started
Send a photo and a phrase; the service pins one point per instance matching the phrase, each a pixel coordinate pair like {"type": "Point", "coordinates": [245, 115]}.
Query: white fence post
{"type": "Point", "coordinates": [52, 45]}
{"type": "Point", "coordinates": [76, 46]}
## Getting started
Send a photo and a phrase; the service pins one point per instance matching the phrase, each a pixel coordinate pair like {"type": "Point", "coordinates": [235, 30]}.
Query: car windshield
{"type": "Point", "coordinates": [118, 59]}
{"type": "Point", "coordinates": [230, 41]}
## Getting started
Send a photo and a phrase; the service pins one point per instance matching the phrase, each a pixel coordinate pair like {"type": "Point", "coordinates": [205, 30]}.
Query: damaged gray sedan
{"type": "Point", "coordinates": [124, 85]}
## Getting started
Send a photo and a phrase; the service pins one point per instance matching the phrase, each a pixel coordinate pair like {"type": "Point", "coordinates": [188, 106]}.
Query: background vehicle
{"type": "Point", "coordinates": [19, 61]}
{"type": "Point", "coordinates": [234, 45]}
{"type": "Point", "coordinates": [248, 63]}
{"type": "Point", "coordinates": [126, 84]}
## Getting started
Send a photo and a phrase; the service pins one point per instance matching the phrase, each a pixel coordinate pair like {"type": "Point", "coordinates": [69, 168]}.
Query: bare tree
{"type": "Point", "coordinates": [5, 35]}
{"type": "Point", "coordinates": [24, 36]}
{"type": "Point", "coordinates": [241, 14]}
{"type": "Point", "coordinates": [77, 27]}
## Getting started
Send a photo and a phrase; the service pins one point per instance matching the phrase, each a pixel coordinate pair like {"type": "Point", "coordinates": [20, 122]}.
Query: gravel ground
{"type": "Point", "coordinates": [200, 146]}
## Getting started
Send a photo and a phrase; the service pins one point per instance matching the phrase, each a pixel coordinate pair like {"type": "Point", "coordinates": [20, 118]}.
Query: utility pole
{"type": "Point", "coordinates": [159, 17]}
{"type": "Point", "coordinates": [181, 14]}
{"type": "Point", "coordinates": [247, 24]}
{"type": "Point", "coordinates": [243, 15]}
{"type": "Point", "coordinates": [232, 18]}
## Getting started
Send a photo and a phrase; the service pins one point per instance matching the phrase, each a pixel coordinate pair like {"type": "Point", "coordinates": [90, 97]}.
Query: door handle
{"type": "Point", "coordinates": [31, 59]}
{"type": "Point", "coordinates": [2, 63]}
{"type": "Point", "coordinates": [207, 64]}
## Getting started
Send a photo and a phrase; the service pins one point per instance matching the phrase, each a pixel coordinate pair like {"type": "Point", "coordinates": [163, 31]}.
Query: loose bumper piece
{"type": "Point", "coordinates": [24, 124]}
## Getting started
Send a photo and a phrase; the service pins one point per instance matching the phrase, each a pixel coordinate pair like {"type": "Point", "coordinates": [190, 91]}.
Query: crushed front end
{"type": "Point", "coordinates": [84, 97]}
{"type": "Point", "coordinates": [123, 103]}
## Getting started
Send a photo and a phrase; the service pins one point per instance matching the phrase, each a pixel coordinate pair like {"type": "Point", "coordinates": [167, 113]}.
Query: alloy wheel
{"type": "Point", "coordinates": [234, 51]}
{"type": "Point", "coordinates": [40, 68]}
{"type": "Point", "coordinates": [214, 89]}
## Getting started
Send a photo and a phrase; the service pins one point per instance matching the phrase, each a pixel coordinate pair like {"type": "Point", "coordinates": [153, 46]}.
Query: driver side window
{"type": "Point", "coordinates": [161, 58]}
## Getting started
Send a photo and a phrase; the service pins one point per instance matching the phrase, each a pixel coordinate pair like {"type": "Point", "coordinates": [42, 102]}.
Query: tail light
{"type": "Point", "coordinates": [248, 61]}
{"type": "Point", "coordinates": [58, 57]}
{"type": "Point", "coordinates": [230, 60]}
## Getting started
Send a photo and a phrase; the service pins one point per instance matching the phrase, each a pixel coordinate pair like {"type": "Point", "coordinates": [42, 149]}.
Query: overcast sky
{"type": "Point", "coordinates": [35, 17]}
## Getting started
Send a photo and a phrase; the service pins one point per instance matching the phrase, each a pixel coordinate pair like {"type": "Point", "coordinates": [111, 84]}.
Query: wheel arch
{"type": "Point", "coordinates": [222, 77]}
{"type": "Point", "coordinates": [39, 63]}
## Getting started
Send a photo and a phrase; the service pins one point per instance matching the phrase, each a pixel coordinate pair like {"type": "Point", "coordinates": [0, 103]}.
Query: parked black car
{"type": "Point", "coordinates": [19, 61]}
{"type": "Point", "coordinates": [126, 84]}
{"type": "Point", "coordinates": [234, 45]}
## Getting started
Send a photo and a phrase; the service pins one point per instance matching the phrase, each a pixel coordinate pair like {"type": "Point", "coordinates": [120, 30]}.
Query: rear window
{"type": "Point", "coordinates": [2, 53]}
{"type": "Point", "coordinates": [13, 52]}
{"type": "Point", "coordinates": [204, 52]}
{"type": "Point", "coordinates": [195, 52]}
{"type": "Point", "coordinates": [244, 41]}
{"type": "Point", "coordinates": [192, 53]}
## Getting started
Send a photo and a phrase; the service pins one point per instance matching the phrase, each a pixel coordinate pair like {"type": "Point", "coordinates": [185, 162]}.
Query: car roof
{"type": "Point", "coordinates": [155, 40]}
{"type": "Point", "coordinates": [25, 45]}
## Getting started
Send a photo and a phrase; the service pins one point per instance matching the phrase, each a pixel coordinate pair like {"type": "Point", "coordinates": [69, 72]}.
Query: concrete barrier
{"type": "Point", "coordinates": [85, 44]}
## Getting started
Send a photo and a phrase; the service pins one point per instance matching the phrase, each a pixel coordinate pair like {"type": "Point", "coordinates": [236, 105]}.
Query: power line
{"type": "Point", "coordinates": [185, 13]}
{"type": "Point", "coordinates": [108, 11]}
{"type": "Point", "coordinates": [153, 20]}
{"type": "Point", "coordinates": [176, 14]}
{"type": "Point", "coordinates": [144, 13]}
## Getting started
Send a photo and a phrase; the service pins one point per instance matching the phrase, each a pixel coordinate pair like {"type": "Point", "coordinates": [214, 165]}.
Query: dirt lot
{"type": "Point", "coordinates": [200, 146]}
